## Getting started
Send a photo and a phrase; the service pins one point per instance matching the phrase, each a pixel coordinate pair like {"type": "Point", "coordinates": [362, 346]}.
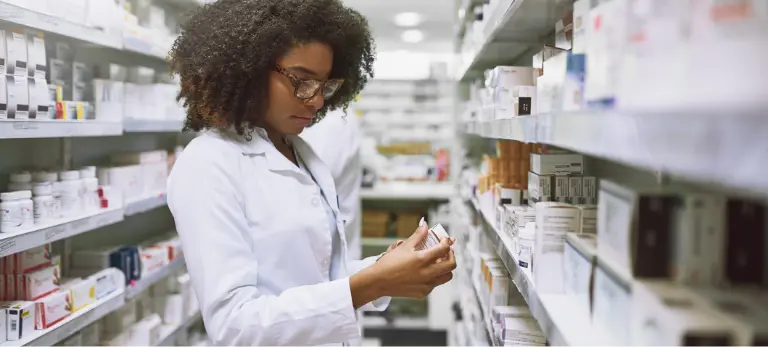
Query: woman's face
{"type": "Point", "coordinates": [287, 114]}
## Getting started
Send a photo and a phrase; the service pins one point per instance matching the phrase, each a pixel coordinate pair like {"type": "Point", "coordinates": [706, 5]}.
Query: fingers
{"type": "Point", "coordinates": [433, 254]}
{"type": "Point", "coordinates": [443, 267]}
{"type": "Point", "coordinates": [418, 236]}
{"type": "Point", "coordinates": [442, 279]}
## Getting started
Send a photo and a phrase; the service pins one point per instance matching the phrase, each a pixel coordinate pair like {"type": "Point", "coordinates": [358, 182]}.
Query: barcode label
{"type": "Point", "coordinates": [14, 325]}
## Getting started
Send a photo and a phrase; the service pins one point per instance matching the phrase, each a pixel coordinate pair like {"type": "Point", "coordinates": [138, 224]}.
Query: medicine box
{"type": "Point", "coordinates": [107, 281]}
{"type": "Point", "coordinates": [588, 219]}
{"type": "Point", "coordinates": [539, 187]}
{"type": "Point", "coordinates": [510, 77]}
{"type": "Point", "coordinates": [579, 267]}
{"type": "Point", "coordinates": [667, 315]}
{"type": "Point", "coordinates": [52, 309]}
{"type": "Point", "coordinates": [82, 292]}
{"type": "Point", "coordinates": [588, 191]}
{"type": "Point", "coordinates": [746, 242]}
{"type": "Point", "coordinates": [747, 307]}
{"type": "Point", "coordinates": [39, 101]}
{"type": "Point", "coordinates": [16, 53]}
{"type": "Point", "coordinates": [612, 305]}
{"type": "Point", "coordinates": [31, 260]}
{"type": "Point", "coordinates": [575, 189]}
{"type": "Point", "coordinates": [40, 283]}
{"type": "Point", "coordinates": [561, 189]}
{"type": "Point", "coordinates": [557, 164]}
{"type": "Point", "coordinates": [20, 319]}
{"type": "Point", "coordinates": [108, 99]}
{"type": "Point", "coordinates": [636, 227]}
{"type": "Point", "coordinates": [17, 97]}
{"type": "Point", "coordinates": [36, 57]}
{"type": "Point", "coordinates": [553, 222]}
{"type": "Point", "coordinates": [699, 244]}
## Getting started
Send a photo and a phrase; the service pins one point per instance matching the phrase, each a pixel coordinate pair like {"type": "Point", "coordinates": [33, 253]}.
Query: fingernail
{"type": "Point", "coordinates": [399, 243]}
{"type": "Point", "coordinates": [422, 222]}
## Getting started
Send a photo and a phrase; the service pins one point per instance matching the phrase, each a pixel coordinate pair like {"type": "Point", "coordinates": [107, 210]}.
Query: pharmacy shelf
{"type": "Point", "coordinates": [32, 128]}
{"type": "Point", "coordinates": [153, 277]}
{"type": "Point", "coordinates": [557, 317]}
{"type": "Point", "coordinates": [170, 334]}
{"type": "Point", "coordinates": [152, 126]}
{"type": "Point", "coordinates": [522, 129]}
{"type": "Point", "coordinates": [511, 33]}
{"type": "Point", "coordinates": [145, 204]}
{"type": "Point", "coordinates": [409, 191]}
{"type": "Point", "coordinates": [29, 18]}
{"type": "Point", "coordinates": [72, 324]}
{"type": "Point", "coordinates": [399, 323]}
{"type": "Point", "coordinates": [61, 229]}
{"type": "Point", "coordinates": [378, 241]}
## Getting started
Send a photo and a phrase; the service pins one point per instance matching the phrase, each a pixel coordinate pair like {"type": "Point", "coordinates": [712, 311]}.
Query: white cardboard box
{"type": "Point", "coordinates": [612, 305]}
{"type": "Point", "coordinates": [557, 164]}
{"type": "Point", "coordinates": [699, 253]}
{"type": "Point", "coordinates": [41, 283]}
{"type": "Point", "coordinates": [20, 319]}
{"type": "Point", "coordinates": [553, 222]}
{"type": "Point", "coordinates": [579, 266]}
{"type": "Point", "coordinates": [16, 53]}
{"type": "Point", "coordinates": [51, 310]}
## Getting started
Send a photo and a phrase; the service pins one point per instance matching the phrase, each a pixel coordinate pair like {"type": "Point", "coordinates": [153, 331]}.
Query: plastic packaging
{"type": "Point", "coordinates": [44, 203]}
{"type": "Point", "coordinates": [16, 211]}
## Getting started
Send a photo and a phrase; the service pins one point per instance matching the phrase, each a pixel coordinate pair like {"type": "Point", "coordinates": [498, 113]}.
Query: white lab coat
{"type": "Point", "coordinates": [336, 140]}
{"type": "Point", "coordinates": [257, 243]}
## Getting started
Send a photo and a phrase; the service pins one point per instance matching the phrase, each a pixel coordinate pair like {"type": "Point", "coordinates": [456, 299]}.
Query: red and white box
{"type": "Point", "coordinates": [27, 261]}
{"type": "Point", "coordinates": [9, 287]}
{"type": "Point", "coordinates": [153, 258]}
{"type": "Point", "coordinates": [52, 309]}
{"type": "Point", "coordinates": [40, 283]}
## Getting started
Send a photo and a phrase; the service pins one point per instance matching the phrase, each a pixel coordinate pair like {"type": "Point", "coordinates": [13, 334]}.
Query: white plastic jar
{"type": "Point", "coordinates": [20, 181]}
{"type": "Point", "coordinates": [53, 179]}
{"type": "Point", "coordinates": [16, 211]}
{"type": "Point", "coordinates": [43, 202]}
{"type": "Point", "coordinates": [70, 190]}
{"type": "Point", "coordinates": [91, 200]}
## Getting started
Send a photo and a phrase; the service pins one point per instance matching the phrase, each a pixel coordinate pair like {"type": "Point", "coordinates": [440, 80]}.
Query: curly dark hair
{"type": "Point", "coordinates": [228, 48]}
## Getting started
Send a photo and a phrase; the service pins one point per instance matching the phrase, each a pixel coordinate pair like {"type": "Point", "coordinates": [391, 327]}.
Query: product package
{"type": "Point", "coordinates": [82, 292]}
{"type": "Point", "coordinates": [553, 222]}
{"type": "Point", "coordinates": [20, 319]}
{"type": "Point", "coordinates": [38, 284]}
{"type": "Point", "coordinates": [52, 309]}
{"type": "Point", "coordinates": [557, 164]}
{"type": "Point", "coordinates": [436, 234]}
{"type": "Point", "coordinates": [579, 266]}
{"type": "Point", "coordinates": [31, 260]}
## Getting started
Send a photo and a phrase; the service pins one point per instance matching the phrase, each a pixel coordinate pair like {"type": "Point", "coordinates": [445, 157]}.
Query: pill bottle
{"type": "Point", "coordinates": [43, 203]}
{"type": "Point", "coordinates": [91, 199]}
{"type": "Point", "coordinates": [70, 189]}
{"type": "Point", "coordinates": [21, 177]}
{"type": "Point", "coordinates": [436, 234]}
{"type": "Point", "coordinates": [16, 211]}
{"type": "Point", "coordinates": [17, 186]}
{"type": "Point", "coordinates": [53, 179]}
{"type": "Point", "coordinates": [88, 172]}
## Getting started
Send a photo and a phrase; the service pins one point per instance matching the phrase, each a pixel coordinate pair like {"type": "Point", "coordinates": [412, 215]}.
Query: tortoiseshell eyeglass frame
{"type": "Point", "coordinates": [297, 82]}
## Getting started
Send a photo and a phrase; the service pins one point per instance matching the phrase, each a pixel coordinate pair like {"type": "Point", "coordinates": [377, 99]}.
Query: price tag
{"type": "Point", "coordinates": [54, 232]}
{"type": "Point", "coordinates": [23, 126]}
{"type": "Point", "coordinates": [7, 247]}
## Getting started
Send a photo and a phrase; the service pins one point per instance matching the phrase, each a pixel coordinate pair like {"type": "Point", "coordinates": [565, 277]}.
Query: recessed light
{"type": "Point", "coordinates": [412, 36]}
{"type": "Point", "coordinates": [408, 19]}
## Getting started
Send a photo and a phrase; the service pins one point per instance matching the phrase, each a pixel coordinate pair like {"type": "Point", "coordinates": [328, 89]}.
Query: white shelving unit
{"type": "Point", "coordinates": [16, 242]}
{"type": "Point", "coordinates": [170, 334]}
{"type": "Point", "coordinates": [22, 16]}
{"type": "Point", "coordinates": [26, 129]}
{"type": "Point", "coordinates": [408, 191]}
{"type": "Point", "coordinates": [148, 280]}
{"type": "Point", "coordinates": [145, 204]}
{"type": "Point", "coordinates": [152, 126]}
{"type": "Point", "coordinates": [72, 324]}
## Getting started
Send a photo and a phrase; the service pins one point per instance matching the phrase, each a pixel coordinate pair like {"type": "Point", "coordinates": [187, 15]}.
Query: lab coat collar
{"type": "Point", "coordinates": [276, 161]}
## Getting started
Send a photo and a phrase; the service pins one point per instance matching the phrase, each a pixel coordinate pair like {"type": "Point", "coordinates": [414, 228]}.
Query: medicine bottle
{"type": "Point", "coordinates": [43, 202]}
{"type": "Point", "coordinates": [51, 178]}
{"type": "Point", "coordinates": [20, 181]}
{"type": "Point", "coordinates": [70, 188]}
{"type": "Point", "coordinates": [436, 234]}
{"type": "Point", "coordinates": [16, 211]}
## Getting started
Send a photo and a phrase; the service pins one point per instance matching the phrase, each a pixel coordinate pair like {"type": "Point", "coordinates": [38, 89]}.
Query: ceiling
{"type": "Point", "coordinates": [437, 24]}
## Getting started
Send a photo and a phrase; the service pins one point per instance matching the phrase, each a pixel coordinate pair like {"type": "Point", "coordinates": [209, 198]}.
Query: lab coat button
{"type": "Point", "coordinates": [315, 202]}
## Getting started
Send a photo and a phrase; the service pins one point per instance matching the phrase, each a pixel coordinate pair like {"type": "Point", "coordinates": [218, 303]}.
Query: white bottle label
{"type": "Point", "coordinates": [10, 218]}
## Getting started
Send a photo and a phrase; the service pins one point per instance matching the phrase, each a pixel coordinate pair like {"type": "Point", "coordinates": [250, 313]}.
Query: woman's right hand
{"type": "Point", "coordinates": [405, 271]}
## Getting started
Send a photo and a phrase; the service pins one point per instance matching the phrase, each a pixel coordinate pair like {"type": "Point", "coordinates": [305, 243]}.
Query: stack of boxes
{"type": "Point", "coordinates": [35, 297]}
{"type": "Point", "coordinates": [137, 175]}
{"type": "Point", "coordinates": [375, 223]}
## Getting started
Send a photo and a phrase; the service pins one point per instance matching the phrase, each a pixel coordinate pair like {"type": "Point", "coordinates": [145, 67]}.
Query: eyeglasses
{"type": "Point", "coordinates": [305, 89]}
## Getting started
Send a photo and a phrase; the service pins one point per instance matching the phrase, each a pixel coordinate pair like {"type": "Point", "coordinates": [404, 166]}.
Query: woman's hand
{"type": "Point", "coordinates": [404, 271]}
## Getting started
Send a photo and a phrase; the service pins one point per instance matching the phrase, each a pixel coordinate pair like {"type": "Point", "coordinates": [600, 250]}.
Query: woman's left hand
{"type": "Point", "coordinates": [394, 245]}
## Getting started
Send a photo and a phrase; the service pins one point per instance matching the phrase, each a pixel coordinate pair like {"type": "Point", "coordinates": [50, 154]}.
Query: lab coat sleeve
{"type": "Point", "coordinates": [208, 210]}
{"type": "Point", "coordinates": [379, 304]}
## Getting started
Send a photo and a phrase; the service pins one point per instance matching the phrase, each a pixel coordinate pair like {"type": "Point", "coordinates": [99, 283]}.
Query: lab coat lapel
{"type": "Point", "coordinates": [320, 172]}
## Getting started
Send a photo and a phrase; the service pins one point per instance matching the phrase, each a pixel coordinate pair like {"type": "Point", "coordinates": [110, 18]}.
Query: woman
{"type": "Point", "coordinates": [254, 206]}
